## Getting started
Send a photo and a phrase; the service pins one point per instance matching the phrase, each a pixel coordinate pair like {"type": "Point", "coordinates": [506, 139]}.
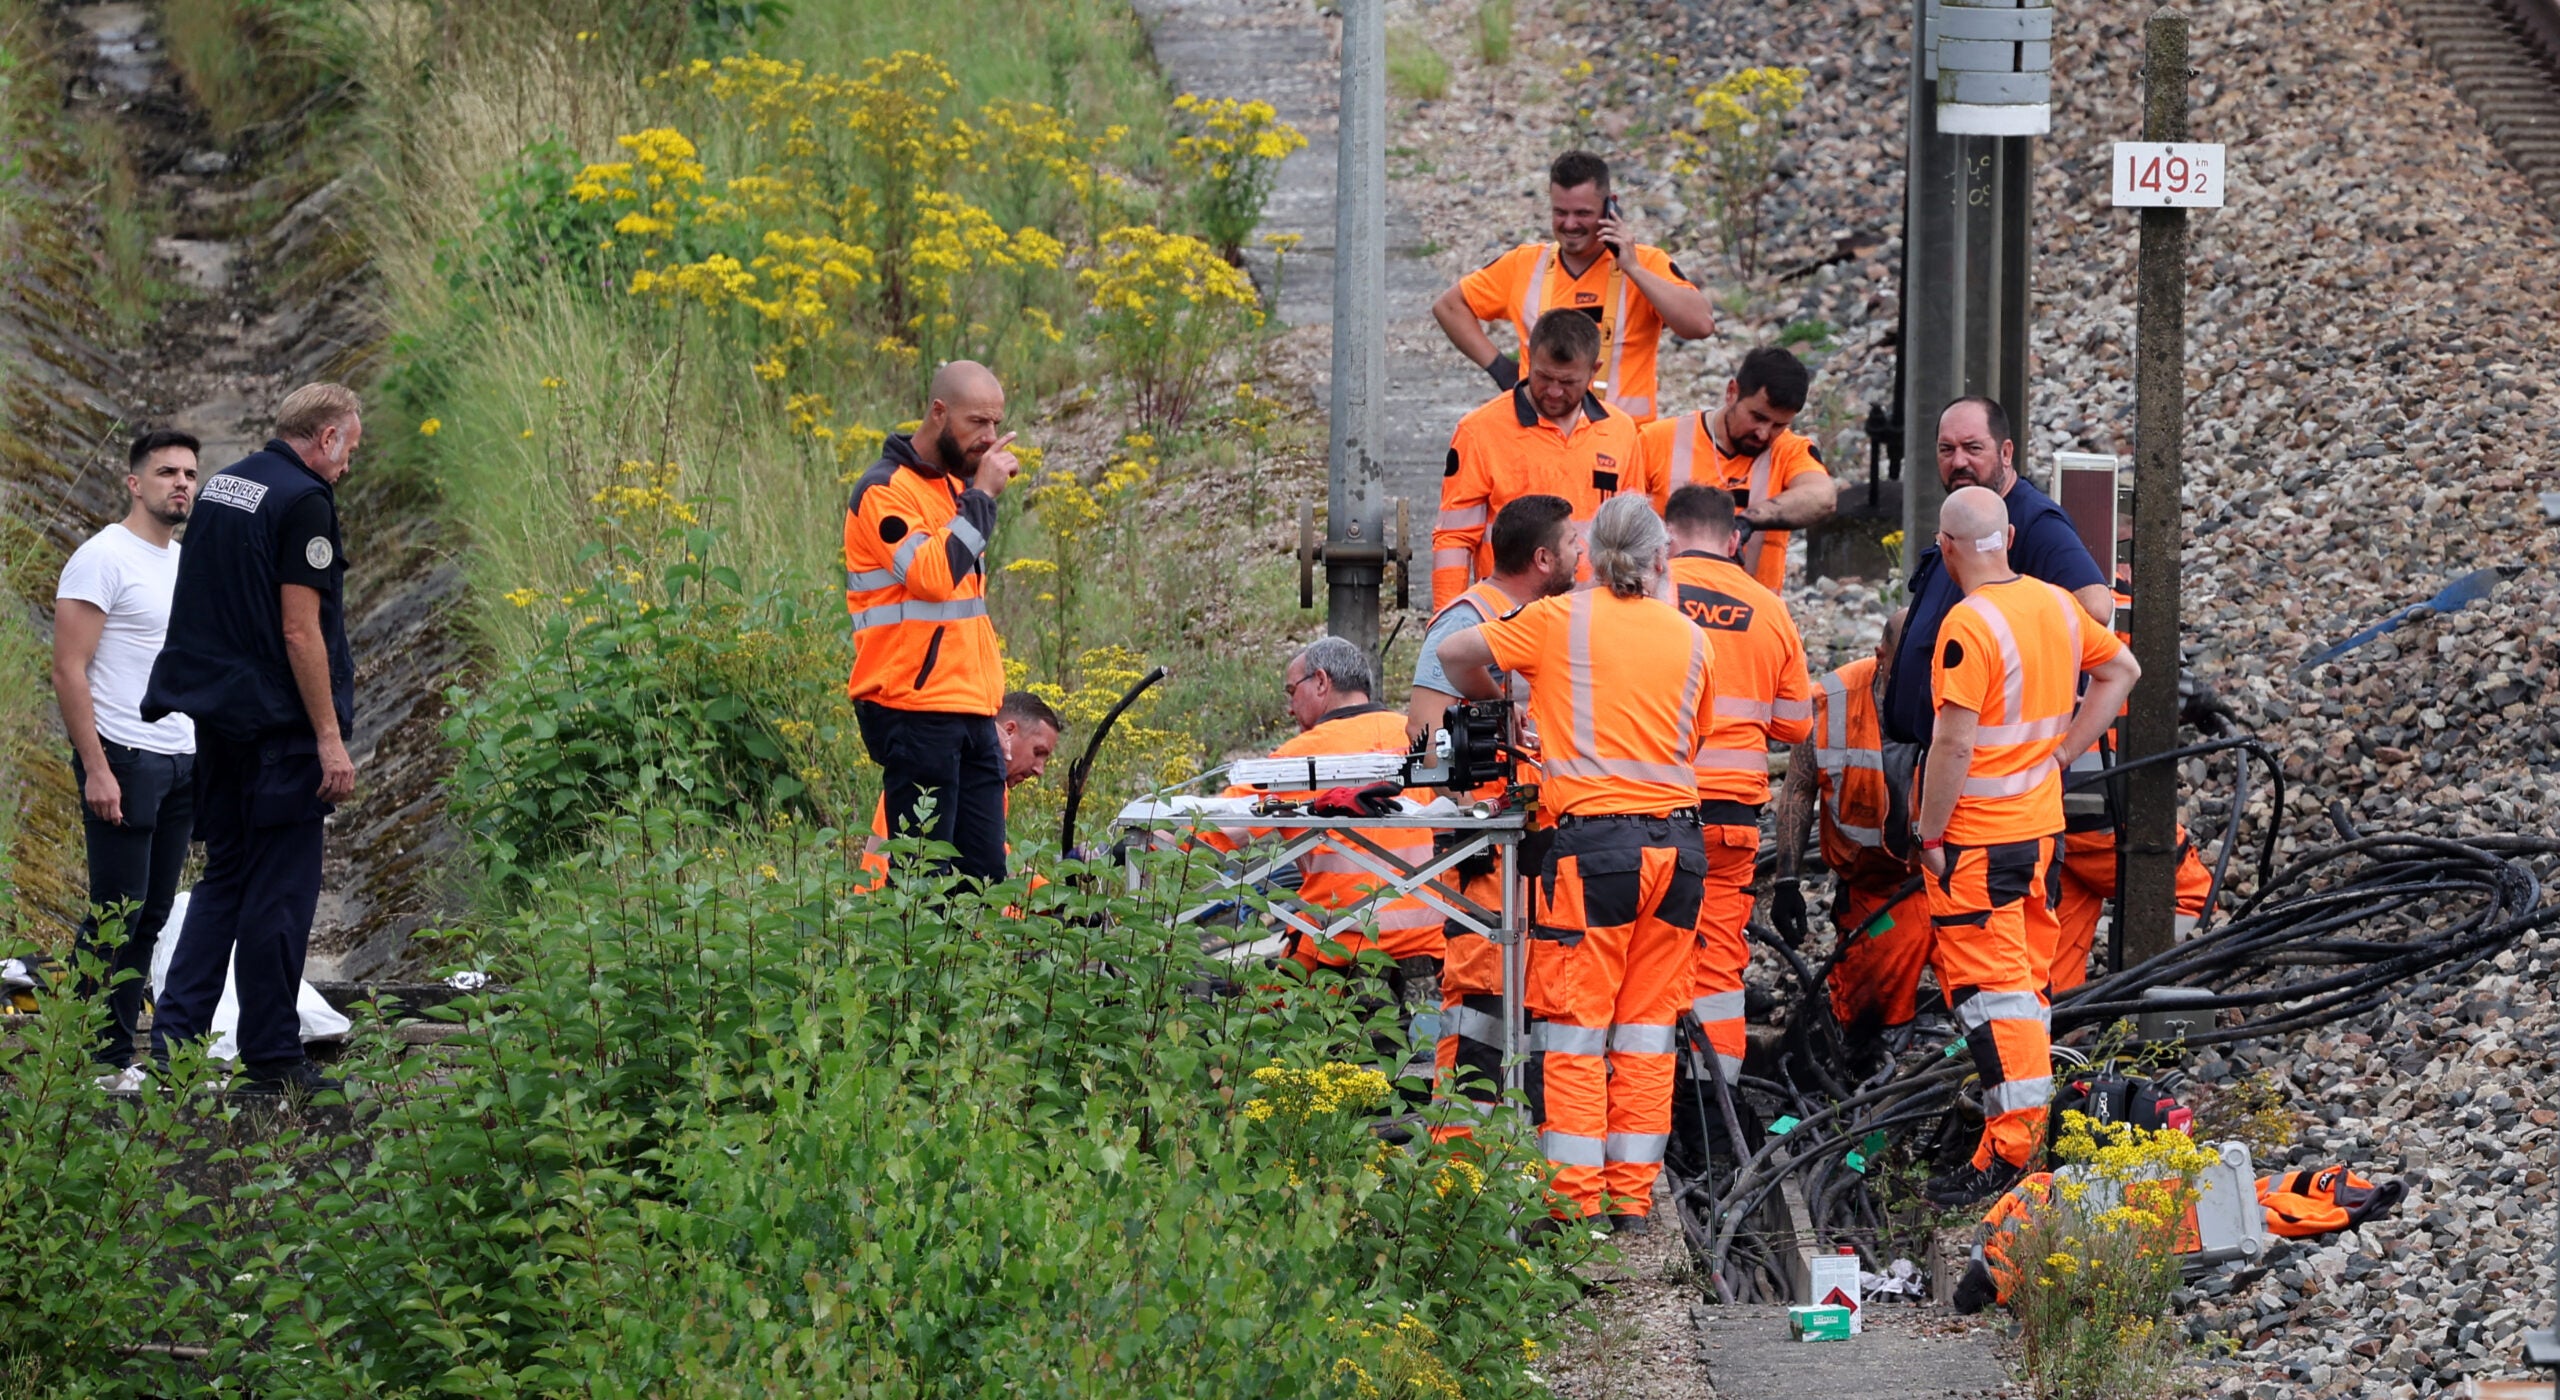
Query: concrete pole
{"type": "Point", "coordinates": [2160, 403]}
{"type": "Point", "coordinates": [1967, 231]}
{"type": "Point", "coordinates": [1355, 529]}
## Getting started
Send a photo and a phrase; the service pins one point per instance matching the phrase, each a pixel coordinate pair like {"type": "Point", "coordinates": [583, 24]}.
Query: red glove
{"type": "Point", "coordinates": [1375, 800]}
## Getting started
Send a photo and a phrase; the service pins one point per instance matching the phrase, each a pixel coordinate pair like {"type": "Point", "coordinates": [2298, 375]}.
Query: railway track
{"type": "Point", "coordinates": [2504, 58]}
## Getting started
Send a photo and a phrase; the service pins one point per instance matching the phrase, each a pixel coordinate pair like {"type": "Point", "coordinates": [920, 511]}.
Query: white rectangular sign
{"type": "Point", "coordinates": [2168, 175]}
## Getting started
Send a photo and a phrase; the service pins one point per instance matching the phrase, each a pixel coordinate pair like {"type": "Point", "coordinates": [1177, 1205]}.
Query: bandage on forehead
{"type": "Point", "coordinates": [1988, 543]}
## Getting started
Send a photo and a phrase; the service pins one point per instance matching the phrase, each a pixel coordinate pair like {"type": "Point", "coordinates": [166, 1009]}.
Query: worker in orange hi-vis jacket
{"type": "Point", "coordinates": [1621, 688]}
{"type": "Point", "coordinates": [1537, 549]}
{"type": "Point", "coordinates": [1029, 730]}
{"type": "Point", "coordinates": [1746, 446]}
{"type": "Point", "coordinates": [1547, 437]}
{"type": "Point", "coordinates": [1761, 694]}
{"type": "Point", "coordinates": [1595, 271]}
{"type": "Point", "coordinates": [1329, 685]}
{"type": "Point", "coordinates": [2005, 680]}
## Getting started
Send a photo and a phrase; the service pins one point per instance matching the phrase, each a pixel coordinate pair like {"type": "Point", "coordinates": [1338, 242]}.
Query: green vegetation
{"type": "Point", "coordinates": [1414, 68]}
{"type": "Point", "coordinates": [1493, 32]}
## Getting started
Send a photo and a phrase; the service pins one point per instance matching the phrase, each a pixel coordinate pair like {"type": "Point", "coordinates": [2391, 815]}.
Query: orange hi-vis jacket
{"type": "Point", "coordinates": [1503, 451]}
{"type": "Point", "coordinates": [2013, 653]}
{"type": "Point", "coordinates": [1682, 451]}
{"type": "Point", "coordinates": [1328, 877]}
{"type": "Point", "coordinates": [875, 862]}
{"type": "Point", "coordinates": [1761, 690]}
{"type": "Point", "coordinates": [1531, 280]}
{"type": "Point", "coordinates": [1848, 756]}
{"type": "Point", "coordinates": [1621, 689]}
{"type": "Point", "coordinates": [915, 582]}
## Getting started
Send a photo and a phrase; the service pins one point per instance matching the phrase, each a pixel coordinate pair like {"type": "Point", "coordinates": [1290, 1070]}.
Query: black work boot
{"type": "Point", "coordinates": [297, 1078]}
{"type": "Point", "coordinates": [1969, 1184]}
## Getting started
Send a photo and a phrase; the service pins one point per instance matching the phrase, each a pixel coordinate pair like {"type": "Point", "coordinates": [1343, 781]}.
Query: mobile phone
{"type": "Point", "coordinates": [1609, 209]}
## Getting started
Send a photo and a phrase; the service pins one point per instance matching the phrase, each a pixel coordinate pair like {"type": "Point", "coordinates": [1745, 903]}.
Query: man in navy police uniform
{"type": "Point", "coordinates": [1975, 449]}
{"type": "Point", "coordinates": [257, 657]}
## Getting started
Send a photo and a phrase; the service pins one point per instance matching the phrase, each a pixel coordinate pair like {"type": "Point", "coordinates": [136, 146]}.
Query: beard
{"type": "Point", "coordinates": [952, 455]}
{"type": "Point", "coordinates": [175, 514]}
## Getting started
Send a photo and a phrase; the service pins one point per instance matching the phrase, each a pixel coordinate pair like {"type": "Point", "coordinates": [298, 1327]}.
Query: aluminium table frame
{"type": "Point", "coordinates": [1295, 836]}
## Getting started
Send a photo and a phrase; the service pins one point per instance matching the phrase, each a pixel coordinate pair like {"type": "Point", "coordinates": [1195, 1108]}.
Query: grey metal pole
{"type": "Point", "coordinates": [1355, 530]}
{"type": "Point", "coordinates": [2160, 402]}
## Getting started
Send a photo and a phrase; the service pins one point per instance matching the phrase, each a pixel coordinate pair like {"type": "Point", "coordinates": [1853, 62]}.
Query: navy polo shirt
{"type": "Point", "coordinates": [2046, 547]}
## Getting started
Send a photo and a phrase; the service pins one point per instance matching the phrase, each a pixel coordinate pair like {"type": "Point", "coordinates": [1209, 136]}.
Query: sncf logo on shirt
{"type": "Point", "coordinates": [1717, 612]}
{"type": "Point", "coordinates": [1586, 298]}
{"type": "Point", "coordinates": [237, 492]}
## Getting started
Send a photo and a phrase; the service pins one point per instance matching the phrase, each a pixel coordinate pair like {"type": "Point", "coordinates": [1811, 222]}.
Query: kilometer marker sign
{"type": "Point", "coordinates": [2169, 175]}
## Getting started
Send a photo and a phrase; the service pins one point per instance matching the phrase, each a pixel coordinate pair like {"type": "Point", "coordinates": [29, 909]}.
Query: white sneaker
{"type": "Point", "coordinates": [128, 1080]}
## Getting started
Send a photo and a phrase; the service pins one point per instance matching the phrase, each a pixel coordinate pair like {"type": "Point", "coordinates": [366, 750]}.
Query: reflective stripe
{"type": "Point", "coordinates": [2089, 761]}
{"type": "Point", "coordinates": [1684, 444]}
{"type": "Point", "coordinates": [1636, 1147]}
{"type": "Point", "coordinates": [1327, 860]}
{"type": "Point", "coordinates": [1549, 1038]}
{"type": "Point", "coordinates": [1784, 708]}
{"type": "Point", "coordinates": [1859, 835]}
{"type": "Point", "coordinates": [2182, 926]}
{"type": "Point", "coordinates": [1586, 761]}
{"type": "Point", "coordinates": [1688, 715]}
{"type": "Point", "coordinates": [1451, 558]}
{"type": "Point", "coordinates": [1717, 1006]}
{"type": "Point", "coordinates": [2027, 733]}
{"type": "Point", "coordinates": [867, 580]}
{"type": "Point", "coordinates": [967, 534]}
{"type": "Point", "coordinates": [1572, 1149]}
{"type": "Point", "coordinates": [1732, 760]}
{"type": "Point", "coordinates": [1637, 407]}
{"type": "Point", "coordinates": [1402, 916]}
{"type": "Point", "coordinates": [888, 614]}
{"type": "Point", "coordinates": [1730, 1067]}
{"type": "Point", "coordinates": [1615, 333]}
{"type": "Point", "coordinates": [906, 554]}
{"type": "Point", "coordinates": [1984, 1007]}
{"type": "Point", "coordinates": [1462, 518]}
{"type": "Point", "coordinates": [1627, 768]}
{"type": "Point", "coordinates": [1837, 759]}
{"type": "Point", "coordinates": [2013, 680]}
{"type": "Point", "coordinates": [1835, 725]}
{"type": "Point", "coordinates": [1640, 1039]}
{"type": "Point", "coordinates": [1744, 707]}
{"type": "Point", "coordinates": [1533, 297]}
{"type": "Point", "coordinates": [1577, 658]}
{"type": "Point", "coordinates": [1467, 1023]}
{"type": "Point", "coordinates": [1759, 490]}
{"type": "Point", "coordinates": [2012, 785]}
{"type": "Point", "coordinates": [2016, 1096]}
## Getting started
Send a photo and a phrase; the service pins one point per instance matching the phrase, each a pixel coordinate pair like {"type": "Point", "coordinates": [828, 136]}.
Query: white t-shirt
{"type": "Point", "coordinates": [131, 580]}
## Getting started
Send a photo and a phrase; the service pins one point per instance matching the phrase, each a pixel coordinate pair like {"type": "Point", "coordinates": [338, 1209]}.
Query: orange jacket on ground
{"type": "Point", "coordinates": [1620, 689]}
{"type": "Point", "coordinates": [1503, 451]}
{"type": "Point", "coordinates": [915, 582]}
{"type": "Point", "coordinates": [1761, 690]}
{"type": "Point", "coordinates": [2013, 653]}
{"type": "Point", "coordinates": [1682, 451]}
{"type": "Point", "coordinates": [1328, 877]}
{"type": "Point", "coordinates": [1530, 280]}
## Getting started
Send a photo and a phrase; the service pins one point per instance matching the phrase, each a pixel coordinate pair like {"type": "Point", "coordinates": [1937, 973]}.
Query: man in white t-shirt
{"type": "Point", "coordinates": [137, 778]}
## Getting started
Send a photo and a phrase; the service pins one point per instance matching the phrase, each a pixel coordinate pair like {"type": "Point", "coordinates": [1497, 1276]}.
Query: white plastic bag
{"type": "Point", "coordinates": [320, 1020]}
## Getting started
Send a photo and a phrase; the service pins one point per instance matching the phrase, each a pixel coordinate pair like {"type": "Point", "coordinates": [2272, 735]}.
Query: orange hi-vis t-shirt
{"type": "Point", "coordinates": [1503, 451]}
{"type": "Point", "coordinates": [1761, 690]}
{"type": "Point", "coordinates": [1621, 690]}
{"type": "Point", "coordinates": [1682, 451]}
{"type": "Point", "coordinates": [2013, 653]}
{"type": "Point", "coordinates": [1531, 280]}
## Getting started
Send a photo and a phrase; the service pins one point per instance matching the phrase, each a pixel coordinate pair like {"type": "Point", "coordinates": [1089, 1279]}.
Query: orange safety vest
{"type": "Point", "coordinates": [915, 584]}
{"type": "Point", "coordinates": [1620, 689]}
{"type": "Point", "coordinates": [2013, 652]}
{"type": "Point", "coordinates": [1856, 796]}
{"type": "Point", "coordinates": [1503, 451]}
{"type": "Point", "coordinates": [1761, 690]}
{"type": "Point", "coordinates": [1330, 877]}
{"type": "Point", "coordinates": [1681, 452]}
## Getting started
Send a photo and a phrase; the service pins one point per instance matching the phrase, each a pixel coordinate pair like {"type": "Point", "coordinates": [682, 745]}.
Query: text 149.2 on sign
{"type": "Point", "coordinates": [2168, 175]}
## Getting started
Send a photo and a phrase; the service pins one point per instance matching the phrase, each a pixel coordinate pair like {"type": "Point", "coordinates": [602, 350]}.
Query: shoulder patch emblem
{"type": "Point", "coordinates": [892, 529]}
{"type": "Point", "coordinates": [237, 492]}
{"type": "Point", "coordinates": [317, 553]}
{"type": "Point", "coordinates": [1952, 655]}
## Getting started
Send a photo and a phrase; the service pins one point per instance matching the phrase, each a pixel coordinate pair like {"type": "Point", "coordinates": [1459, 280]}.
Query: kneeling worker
{"type": "Point", "coordinates": [1548, 437]}
{"type": "Point", "coordinates": [927, 678]}
{"type": "Point", "coordinates": [1328, 685]}
{"type": "Point", "coordinates": [1761, 693]}
{"type": "Point", "coordinates": [1620, 687]}
{"type": "Point", "coordinates": [1537, 550]}
{"type": "Point", "coordinates": [1748, 448]}
{"type": "Point", "coordinates": [1594, 271]}
{"type": "Point", "coordinates": [1027, 730]}
{"type": "Point", "coordinates": [2007, 664]}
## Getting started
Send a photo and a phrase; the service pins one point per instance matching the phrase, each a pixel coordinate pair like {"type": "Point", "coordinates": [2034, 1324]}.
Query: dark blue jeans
{"type": "Point", "coordinates": [134, 862]}
{"type": "Point", "coordinates": [959, 760]}
{"type": "Point", "coordinates": [259, 811]}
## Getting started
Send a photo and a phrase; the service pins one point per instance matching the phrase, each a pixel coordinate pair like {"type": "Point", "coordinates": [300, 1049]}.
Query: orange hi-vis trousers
{"type": "Point", "coordinates": [1610, 967]}
{"type": "Point", "coordinates": [2089, 881]}
{"type": "Point", "coordinates": [1724, 944]}
{"type": "Point", "coordinates": [1993, 914]}
{"type": "Point", "coordinates": [1875, 984]}
{"type": "Point", "coordinates": [1469, 1054]}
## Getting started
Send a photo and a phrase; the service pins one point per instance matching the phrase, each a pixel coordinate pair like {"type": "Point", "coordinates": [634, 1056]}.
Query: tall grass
{"type": "Point", "coordinates": [247, 62]}
{"type": "Point", "coordinates": [1414, 68]}
{"type": "Point", "coordinates": [1493, 32]}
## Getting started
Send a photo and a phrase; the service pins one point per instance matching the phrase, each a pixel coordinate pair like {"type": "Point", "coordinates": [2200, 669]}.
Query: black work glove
{"type": "Point", "coordinates": [1380, 799]}
{"type": "Point", "coordinates": [1505, 371]}
{"type": "Point", "coordinates": [1786, 911]}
